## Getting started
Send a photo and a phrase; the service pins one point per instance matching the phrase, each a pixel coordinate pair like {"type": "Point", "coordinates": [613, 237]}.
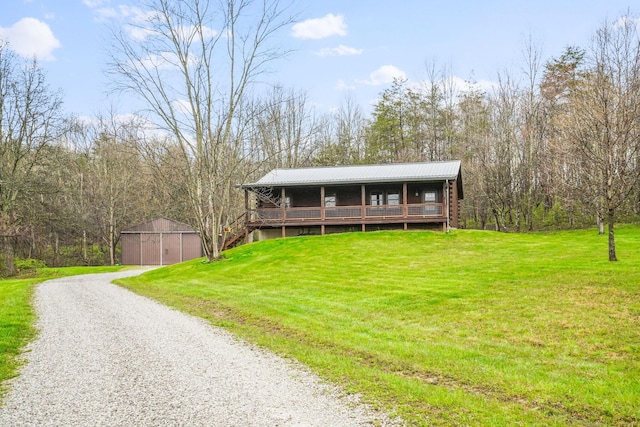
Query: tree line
{"type": "Point", "coordinates": [555, 145]}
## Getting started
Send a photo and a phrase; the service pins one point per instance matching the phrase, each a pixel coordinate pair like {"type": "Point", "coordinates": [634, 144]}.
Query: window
{"type": "Point", "coordinates": [287, 202]}
{"type": "Point", "coordinates": [376, 199]}
{"type": "Point", "coordinates": [429, 196]}
{"type": "Point", "coordinates": [393, 198]}
{"type": "Point", "coordinates": [330, 200]}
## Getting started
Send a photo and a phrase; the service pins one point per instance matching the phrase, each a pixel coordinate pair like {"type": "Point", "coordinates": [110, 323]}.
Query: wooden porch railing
{"type": "Point", "coordinates": [315, 214]}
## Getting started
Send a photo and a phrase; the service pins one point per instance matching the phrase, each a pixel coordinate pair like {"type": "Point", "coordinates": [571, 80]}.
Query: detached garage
{"type": "Point", "coordinates": [159, 242]}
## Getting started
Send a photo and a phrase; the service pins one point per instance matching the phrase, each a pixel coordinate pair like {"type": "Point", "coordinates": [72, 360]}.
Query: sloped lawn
{"type": "Point", "coordinates": [466, 328]}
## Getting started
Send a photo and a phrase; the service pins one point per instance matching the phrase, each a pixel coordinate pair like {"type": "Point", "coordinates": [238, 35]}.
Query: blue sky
{"type": "Point", "coordinates": [340, 46]}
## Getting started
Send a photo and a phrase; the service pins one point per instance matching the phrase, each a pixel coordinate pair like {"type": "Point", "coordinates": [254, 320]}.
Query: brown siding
{"type": "Point", "coordinates": [304, 197]}
{"type": "Point", "coordinates": [160, 225]}
{"type": "Point", "coordinates": [142, 245]}
{"type": "Point", "coordinates": [130, 249]}
{"type": "Point", "coordinates": [455, 214]}
{"type": "Point", "coordinates": [171, 249]}
{"type": "Point", "coordinates": [348, 196]}
{"type": "Point", "coordinates": [191, 247]}
{"type": "Point", "coordinates": [150, 249]}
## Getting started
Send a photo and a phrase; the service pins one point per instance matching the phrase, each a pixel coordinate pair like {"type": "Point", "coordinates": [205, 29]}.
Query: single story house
{"type": "Point", "coordinates": [289, 202]}
{"type": "Point", "coordinates": [159, 242]}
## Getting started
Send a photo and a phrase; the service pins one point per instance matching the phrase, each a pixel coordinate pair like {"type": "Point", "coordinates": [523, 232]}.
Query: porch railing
{"type": "Point", "coordinates": [424, 210]}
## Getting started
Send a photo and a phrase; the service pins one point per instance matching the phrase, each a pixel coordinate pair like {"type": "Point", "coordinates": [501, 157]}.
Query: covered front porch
{"type": "Point", "coordinates": [321, 209]}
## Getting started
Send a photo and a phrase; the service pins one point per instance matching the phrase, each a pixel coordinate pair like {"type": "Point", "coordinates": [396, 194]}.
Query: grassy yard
{"type": "Point", "coordinates": [17, 316]}
{"type": "Point", "coordinates": [466, 328]}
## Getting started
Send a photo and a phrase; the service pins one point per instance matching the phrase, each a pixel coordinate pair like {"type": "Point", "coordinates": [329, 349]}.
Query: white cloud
{"type": "Point", "coordinates": [462, 85]}
{"type": "Point", "coordinates": [138, 22]}
{"type": "Point", "coordinates": [92, 4]}
{"type": "Point", "coordinates": [624, 21]}
{"type": "Point", "coordinates": [124, 13]}
{"type": "Point", "coordinates": [320, 28]}
{"type": "Point", "coordinates": [182, 106]}
{"type": "Point", "coordinates": [344, 86]}
{"type": "Point", "coordinates": [384, 75]}
{"type": "Point", "coordinates": [341, 50]}
{"type": "Point", "coordinates": [31, 37]}
{"type": "Point", "coordinates": [163, 61]}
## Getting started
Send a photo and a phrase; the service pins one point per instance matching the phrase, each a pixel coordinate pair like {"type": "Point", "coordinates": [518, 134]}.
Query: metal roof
{"type": "Point", "coordinates": [360, 174]}
{"type": "Point", "coordinates": [160, 225]}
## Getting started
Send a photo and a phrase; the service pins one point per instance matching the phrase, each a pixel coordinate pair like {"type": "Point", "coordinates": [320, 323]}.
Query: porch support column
{"type": "Point", "coordinates": [445, 205]}
{"type": "Point", "coordinates": [363, 206]}
{"type": "Point", "coordinates": [405, 210]}
{"type": "Point", "coordinates": [247, 216]}
{"type": "Point", "coordinates": [455, 210]}
{"type": "Point", "coordinates": [322, 213]}
{"type": "Point", "coordinates": [283, 207]}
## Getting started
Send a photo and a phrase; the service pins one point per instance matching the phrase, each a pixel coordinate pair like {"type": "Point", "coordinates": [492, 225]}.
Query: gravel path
{"type": "Point", "coordinates": [107, 357]}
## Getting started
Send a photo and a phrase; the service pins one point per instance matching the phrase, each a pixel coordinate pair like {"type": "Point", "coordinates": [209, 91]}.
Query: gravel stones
{"type": "Point", "coordinates": [107, 357]}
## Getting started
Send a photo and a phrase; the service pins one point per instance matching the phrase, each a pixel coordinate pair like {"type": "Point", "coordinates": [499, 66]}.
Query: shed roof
{"type": "Point", "coordinates": [360, 174]}
{"type": "Point", "coordinates": [161, 225]}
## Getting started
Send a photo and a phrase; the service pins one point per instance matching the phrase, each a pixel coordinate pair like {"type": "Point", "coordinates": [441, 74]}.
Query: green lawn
{"type": "Point", "coordinates": [17, 317]}
{"type": "Point", "coordinates": [466, 328]}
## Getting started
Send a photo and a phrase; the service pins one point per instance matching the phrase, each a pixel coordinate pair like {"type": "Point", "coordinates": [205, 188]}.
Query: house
{"type": "Point", "coordinates": [159, 242]}
{"type": "Point", "coordinates": [290, 202]}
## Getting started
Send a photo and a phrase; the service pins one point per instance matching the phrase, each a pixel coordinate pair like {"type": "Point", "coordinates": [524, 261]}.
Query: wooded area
{"type": "Point", "coordinates": [554, 145]}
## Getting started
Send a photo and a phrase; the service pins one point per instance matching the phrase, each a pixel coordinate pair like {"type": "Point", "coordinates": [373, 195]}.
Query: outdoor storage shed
{"type": "Point", "coordinates": [159, 242]}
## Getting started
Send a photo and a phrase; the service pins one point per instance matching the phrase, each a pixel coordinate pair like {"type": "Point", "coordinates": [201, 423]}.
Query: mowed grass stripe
{"type": "Point", "coordinates": [471, 327]}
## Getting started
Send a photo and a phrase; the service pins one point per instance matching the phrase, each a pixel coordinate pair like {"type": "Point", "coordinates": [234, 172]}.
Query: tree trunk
{"type": "Point", "coordinates": [85, 256]}
{"type": "Point", "coordinates": [112, 244]}
{"type": "Point", "coordinates": [9, 264]}
{"type": "Point", "coordinates": [600, 223]}
{"type": "Point", "coordinates": [612, 242]}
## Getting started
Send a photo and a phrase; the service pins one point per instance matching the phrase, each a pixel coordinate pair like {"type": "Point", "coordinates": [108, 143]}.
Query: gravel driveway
{"type": "Point", "coordinates": [106, 356]}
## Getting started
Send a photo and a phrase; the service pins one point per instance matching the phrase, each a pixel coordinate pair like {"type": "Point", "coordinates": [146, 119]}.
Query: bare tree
{"type": "Point", "coordinates": [113, 180]}
{"type": "Point", "coordinates": [604, 122]}
{"type": "Point", "coordinates": [531, 137]}
{"type": "Point", "coordinates": [193, 62]}
{"type": "Point", "coordinates": [30, 121]}
{"type": "Point", "coordinates": [284, 127]}
{"type": "Point", "coordinates": [342, 136]}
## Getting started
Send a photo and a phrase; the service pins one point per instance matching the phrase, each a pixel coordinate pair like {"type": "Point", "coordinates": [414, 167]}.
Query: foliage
{"type": "Point", "coordinates": [465, 328]}
{"type": "Point", "coordinates": [29, 124]}
{"type": "Point", "coordinates": [29, 264]}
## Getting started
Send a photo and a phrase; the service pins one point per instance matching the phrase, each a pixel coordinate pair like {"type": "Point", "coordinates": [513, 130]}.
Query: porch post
{"type": "Point", "coordinates": [322, 213]}
{"type": "Point", "coordinates": [363, 206]}
{"type": "Point", "coordinates": [445, 195]}
{"type": "Point", "coordinates": [455, 212]}
{"type": "Point", "coordinates": [247, 216]}
{"type": "Point", "coordinates": [363, 201]}
{"type": "Point", "coordinates": [405, 210]}
{"type": "Point", "coordinates": [283, 206]}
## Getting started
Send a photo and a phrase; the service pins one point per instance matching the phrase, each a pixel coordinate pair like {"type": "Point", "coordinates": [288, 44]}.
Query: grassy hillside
{"type": "Point", "coordinates": [17, 315]}
{"type": "Point", "coordinates": [471, 327]}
